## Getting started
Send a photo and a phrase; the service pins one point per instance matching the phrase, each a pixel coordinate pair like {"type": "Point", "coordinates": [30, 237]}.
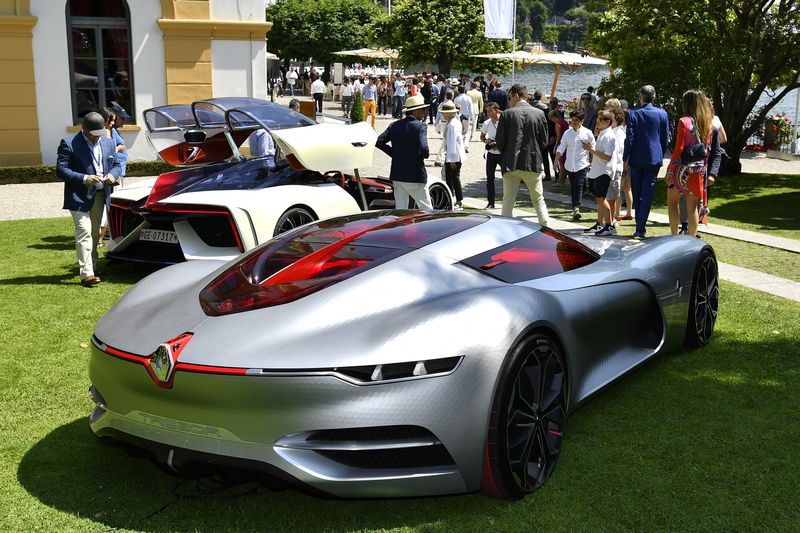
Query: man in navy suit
{"type": "Point", "coordinates": [408, 150]}
{"type": "Point", "coordinates": [646, 140]}
{"type": "Point", "coordinates": [88, 164]}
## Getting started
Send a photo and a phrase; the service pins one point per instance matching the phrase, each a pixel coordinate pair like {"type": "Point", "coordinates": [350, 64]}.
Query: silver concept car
{"type": "Point", "coordinates": [392, 353]}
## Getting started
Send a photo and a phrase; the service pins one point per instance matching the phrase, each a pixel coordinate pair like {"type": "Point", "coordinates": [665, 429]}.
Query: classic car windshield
{"type": "Point", "coordinates": [273, 116]}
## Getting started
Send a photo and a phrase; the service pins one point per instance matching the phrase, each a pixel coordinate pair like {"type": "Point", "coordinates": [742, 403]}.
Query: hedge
{"type": "Point", "coordinates": [46, 173]}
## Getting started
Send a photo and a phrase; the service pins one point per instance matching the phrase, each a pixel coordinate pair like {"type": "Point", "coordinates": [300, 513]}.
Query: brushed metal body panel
{"type": "Point", "coordinates": [609, 317]}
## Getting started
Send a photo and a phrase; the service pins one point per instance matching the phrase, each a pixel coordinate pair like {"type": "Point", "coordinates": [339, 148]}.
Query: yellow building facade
{"type": "Point", "coordinates": [62, 58]}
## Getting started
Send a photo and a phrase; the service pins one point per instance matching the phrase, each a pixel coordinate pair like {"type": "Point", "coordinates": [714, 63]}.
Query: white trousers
{"type": "Point", "coordinates": [473, 125]}
{"type": "Point", "coordinates": [534, 183]}
{"type": "Point", "coordinates": [87, 233]}
{"type": "Point", "coordinates": [418, 191]}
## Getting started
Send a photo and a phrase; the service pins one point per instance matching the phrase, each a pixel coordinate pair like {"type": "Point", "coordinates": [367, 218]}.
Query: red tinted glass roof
{"type": "Point", "coordinates": [537, 255]}
{"type": "Point", "coordinates": [311, 258]}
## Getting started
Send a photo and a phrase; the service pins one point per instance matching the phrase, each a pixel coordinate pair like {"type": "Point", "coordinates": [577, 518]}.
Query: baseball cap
{"type": "Point", "coordinates": [94, 124]}
{"type": "Point", "coordinates": [120, 111]}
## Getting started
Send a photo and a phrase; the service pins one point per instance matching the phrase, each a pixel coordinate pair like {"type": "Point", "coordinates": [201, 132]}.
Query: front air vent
{"type": "Point", "coordinates": [431, 456]}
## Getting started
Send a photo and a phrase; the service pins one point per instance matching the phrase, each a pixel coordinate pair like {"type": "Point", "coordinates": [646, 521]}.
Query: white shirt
{"type": "Point", "coordinates": [606, 143]}
{"type": "Point", "coordinates": [356, 85]}
{"type": "Point", "coordinates": [619, 131]}
{"type": "Point", "coordinates": [572, 143]}
{"type": "Point", "coordinates": [454, 141]}
{"type": "Point", "coordinates": [347, 89]}
{"type": "Point", "coordinates": [261, 143]}
{"type": "Point", "coordinates": [466, 105]}
{"type": "Point", "coordinates": [317, 86]}
{"type": "Point", "coordinates": [97, 160]}
{"type": "Point", "coordinates": [291, 77]}
{"type": "Point", "coordinates": [489, 129]}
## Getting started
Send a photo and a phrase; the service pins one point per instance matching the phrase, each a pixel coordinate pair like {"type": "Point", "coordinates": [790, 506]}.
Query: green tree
{"type": "Point", "coordinates": [735, 50]}
{"type": "Point", "coordinates": [357, 109]}
{"type": "Point", "coordinates": [537, 15]}
{"type": "Point", "coordinates": [302, 29]}
{"type": "Point", "coordinates": [444, 32]}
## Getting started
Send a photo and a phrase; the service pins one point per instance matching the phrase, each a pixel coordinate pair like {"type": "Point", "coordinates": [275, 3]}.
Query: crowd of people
{"type": "Point", "coordinates": [600, 145]}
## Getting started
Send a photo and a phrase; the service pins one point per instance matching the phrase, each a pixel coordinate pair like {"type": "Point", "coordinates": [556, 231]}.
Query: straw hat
{"type": "Point", "coordinates": [414, 102]}
{"type": "Point", "coordinates": [448, 108]}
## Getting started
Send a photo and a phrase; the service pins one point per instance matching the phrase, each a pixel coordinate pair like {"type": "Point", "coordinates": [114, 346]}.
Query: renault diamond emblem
{"type": "Point", "coordinates": [161, 362]}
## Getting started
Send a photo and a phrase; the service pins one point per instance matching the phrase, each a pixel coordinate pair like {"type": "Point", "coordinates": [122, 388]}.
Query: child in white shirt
{"type": "Point", "coordinates": [601, 172]}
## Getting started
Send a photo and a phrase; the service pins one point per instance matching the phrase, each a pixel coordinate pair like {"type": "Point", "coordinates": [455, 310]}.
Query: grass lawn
{"type": "Point", "coordinates": [768, 203]}
{"type": "Point", "coordinates": [702, 440]}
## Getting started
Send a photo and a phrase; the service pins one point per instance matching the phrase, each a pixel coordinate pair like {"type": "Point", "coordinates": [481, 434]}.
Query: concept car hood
{"type": "Point", "coordinates": [325, 147]}
{"type": "Point", "coordinates": [158, 308]}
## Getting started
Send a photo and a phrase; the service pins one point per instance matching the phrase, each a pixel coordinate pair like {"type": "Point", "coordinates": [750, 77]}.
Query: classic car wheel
{"type": "Point", "coordinates": [440, 198]}
{"type": "Point", "coordinates": [527, 420]}
{"type": "Point", "coordinates": [704, 301]}
{"type": "Point", "coordinates": [293, 218]}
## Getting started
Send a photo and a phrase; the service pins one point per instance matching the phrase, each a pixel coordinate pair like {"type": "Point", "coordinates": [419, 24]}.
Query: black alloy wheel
{"type": "Point", "coordinates": [440, 198]}
{"type": "Point", "coordinates": [704, 302]}
{"type": "Point", "coordinates": [527, 420]}
{"type": "Point", "coordinates": [293, 218]}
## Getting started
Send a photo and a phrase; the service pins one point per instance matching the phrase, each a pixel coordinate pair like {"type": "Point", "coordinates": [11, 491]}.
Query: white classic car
{"type": "Point", "coordinates": [224, 202]}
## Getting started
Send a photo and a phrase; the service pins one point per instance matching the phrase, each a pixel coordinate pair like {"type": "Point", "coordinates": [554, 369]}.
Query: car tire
{"type": "Point", "coordinates": [527, 421]}
{"type": "Point", "coordinates": [440, 198]}
{"type": "Point", "coordinates": [704, 301]}
{"type": "Point", "coordinates": [293, 218]}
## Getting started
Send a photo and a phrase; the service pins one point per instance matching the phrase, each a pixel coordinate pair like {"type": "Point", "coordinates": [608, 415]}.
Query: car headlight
{"type": "Point", "coordinates": [387, 373]}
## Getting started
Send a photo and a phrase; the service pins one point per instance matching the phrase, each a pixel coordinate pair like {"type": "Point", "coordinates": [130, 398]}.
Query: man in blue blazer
{"type": "Point", "coordinates": [406, 142]}
{"type": "Point", "coordinates": [646, 140]}
{"type": "Point", "coordinates": [88, 164]}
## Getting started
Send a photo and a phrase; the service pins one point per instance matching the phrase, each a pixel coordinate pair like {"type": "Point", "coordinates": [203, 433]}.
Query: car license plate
{"type": "Point", "coordinates": [158, 235]}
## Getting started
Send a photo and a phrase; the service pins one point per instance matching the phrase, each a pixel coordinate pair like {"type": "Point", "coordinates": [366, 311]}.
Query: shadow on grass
{"type": "Point", "coordinates": [675, 427]}
{"type": "Point", "coordinates": [111, 273]}
{"type": "Point", "coordinates": [55, 242]}
{"type": "Point", "coordinates": [73, 471]}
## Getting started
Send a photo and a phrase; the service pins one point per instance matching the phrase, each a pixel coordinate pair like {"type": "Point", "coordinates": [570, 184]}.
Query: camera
{"type": "Point", "coordinates": [490, 146]}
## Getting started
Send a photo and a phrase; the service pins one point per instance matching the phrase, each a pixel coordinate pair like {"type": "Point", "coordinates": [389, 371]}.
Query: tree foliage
{"type": "Point", "coordinates": [735, 50]}
{"type": "Point", "coordinates": [302, 29]}
{"type": "Point", "coordinates": [444, 32]}
{"type": "Point", "coordinates": [357, 109]}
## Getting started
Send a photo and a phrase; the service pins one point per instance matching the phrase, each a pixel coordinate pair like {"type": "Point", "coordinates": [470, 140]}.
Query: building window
{"type": "Point", "coordinates": [100, 56]}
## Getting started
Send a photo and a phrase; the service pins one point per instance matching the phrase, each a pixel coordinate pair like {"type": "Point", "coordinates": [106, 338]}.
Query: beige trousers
{"type": "Point", "coordinates": [418, 191]}
{"type": "Point", "coordinates": [534, 182]}
{"type": "Point", "coordinates": [87, 233]}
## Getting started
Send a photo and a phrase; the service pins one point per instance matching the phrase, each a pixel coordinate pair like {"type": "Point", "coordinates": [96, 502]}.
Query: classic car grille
{"type": "Point", "coordinates": [122, 221]}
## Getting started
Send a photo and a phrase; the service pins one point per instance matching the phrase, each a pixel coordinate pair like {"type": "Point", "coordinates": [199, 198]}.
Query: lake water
{"type": "Point", "coordinates": [572, 84]}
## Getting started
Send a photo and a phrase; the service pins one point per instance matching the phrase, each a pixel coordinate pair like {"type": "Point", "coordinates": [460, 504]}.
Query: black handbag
{"type": "Point", "coordinates": [694, 152]}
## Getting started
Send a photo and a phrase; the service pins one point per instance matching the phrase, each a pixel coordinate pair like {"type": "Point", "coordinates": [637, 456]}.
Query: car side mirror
{"type": "Point", "coordinates": [195, 136]}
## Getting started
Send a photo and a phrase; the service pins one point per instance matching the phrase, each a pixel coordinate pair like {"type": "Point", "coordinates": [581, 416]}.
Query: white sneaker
{"type": "Point", "coordinates": [608, 229]}
{"type": "Point", "coordinates": [458, 207]}
{"type": "Point", "coordinates": [593, 228]}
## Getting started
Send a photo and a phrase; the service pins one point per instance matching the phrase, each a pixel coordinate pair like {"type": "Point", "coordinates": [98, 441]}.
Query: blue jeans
{"type": "Point", "coordinates": [397, 106]}
{"type": "Point", "coordinates": [643, 182]}
{"type": "Point", "coordinates": [577, 181]}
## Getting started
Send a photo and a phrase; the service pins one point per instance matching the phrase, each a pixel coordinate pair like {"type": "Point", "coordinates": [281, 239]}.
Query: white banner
{"type": "Point", "coordinates": [499, 15]}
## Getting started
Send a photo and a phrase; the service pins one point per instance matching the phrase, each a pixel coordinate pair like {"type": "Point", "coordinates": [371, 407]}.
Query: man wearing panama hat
{"type": "Point", "coordinates": [406, 142]}
{"type": "Point", "coordinates": [453, 143]}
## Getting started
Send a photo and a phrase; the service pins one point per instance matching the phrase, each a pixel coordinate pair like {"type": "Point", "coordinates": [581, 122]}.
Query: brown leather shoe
{"type": "Point", "coordinates": [91, 281]}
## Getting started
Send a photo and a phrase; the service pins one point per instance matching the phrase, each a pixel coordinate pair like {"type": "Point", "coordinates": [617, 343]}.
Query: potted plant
{"type": "Point", "coordinates": [357, 110]}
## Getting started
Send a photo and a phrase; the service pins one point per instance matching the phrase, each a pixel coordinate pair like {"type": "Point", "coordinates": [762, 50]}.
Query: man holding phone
{"type": "Point", "coordinates": [88, 164]}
